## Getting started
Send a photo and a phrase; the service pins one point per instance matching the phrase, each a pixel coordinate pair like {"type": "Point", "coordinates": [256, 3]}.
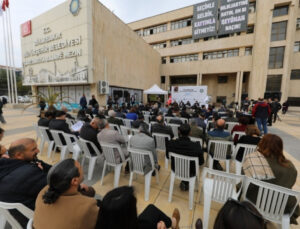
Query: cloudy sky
{"type": "Point", "coordinates": [127, 10]}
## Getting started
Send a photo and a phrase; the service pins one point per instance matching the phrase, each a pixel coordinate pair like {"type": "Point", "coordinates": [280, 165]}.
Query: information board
{"type": "Point", "coordinates": [190, 94]}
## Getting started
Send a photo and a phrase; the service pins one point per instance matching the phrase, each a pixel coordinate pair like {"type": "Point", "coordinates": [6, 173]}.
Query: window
{"type": "Point", "coordinates": [220, 54]}
{"type": "Point", "coordinates": [162, 79]}
{"type": "Point", "coordinates": [186, 58]}
{"type": "Point", "coordinates": [163, 60]}
{"type": "Point", "coordinates": [181, 23]}
{"type": "Point", "coordinates": [279, 31]}
{"type": "Point", "coordinates": [187, 80]}
{"type": "Point", "coordinates": [139, 32]}
{"type": "Point", "coordinates": [248, 51]}
{"type": "Point", "coordinates": [297, 46]}
{"type": "Point", "coordinates": [159, 45]}
{"type": "Point", "coordinates": [280, 11]}
{"type": "Point", "coordinates": [221, 99]}
{"type": "Point", "coordinates": [184, 41]}
{"type": "Point", "coordinates": [298, 23]}
{"type": "Point", "coordinates": [250, 29]}
{"type": "Point", "coordinates": [295, 74]}
{"type": "Point", "coordinates": [273, 83]}
{"type": "Point", "coordinates": [294, 101]}
{"type": "Point", "coordinates": [155, 29]}
{"type": "Point", "coordinates": [252, 7]}
{"type": "Point", "coordinates": [276, 57]}
{"type": "Point", "coordinates": [222, 79]}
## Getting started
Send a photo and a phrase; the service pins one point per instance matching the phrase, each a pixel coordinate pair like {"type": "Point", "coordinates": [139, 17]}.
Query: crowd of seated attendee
{"type": "Point", "coordinates": [57, 191]}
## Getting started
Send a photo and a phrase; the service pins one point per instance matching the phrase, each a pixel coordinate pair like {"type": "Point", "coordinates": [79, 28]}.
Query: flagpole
{"type": "Point", "coordinates": [13, 57]}
{"type": "Point", "coordinates": [6, 61]}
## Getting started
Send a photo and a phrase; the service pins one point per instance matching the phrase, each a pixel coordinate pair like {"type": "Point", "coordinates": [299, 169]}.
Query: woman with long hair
{"type": "Point", "coordinates": [269, 164]}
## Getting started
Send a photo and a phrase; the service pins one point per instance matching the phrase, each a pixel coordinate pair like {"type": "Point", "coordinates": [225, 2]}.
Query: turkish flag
{"type": "Point", "coordinates": [4, 5]}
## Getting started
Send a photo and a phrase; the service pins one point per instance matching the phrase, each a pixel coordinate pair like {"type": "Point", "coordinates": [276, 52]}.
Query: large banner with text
{"type": "Point", "coordinates": [190, 94]}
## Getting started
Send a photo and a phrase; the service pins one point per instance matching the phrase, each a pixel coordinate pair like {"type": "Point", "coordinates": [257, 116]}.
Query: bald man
{"type": "Point", "coordinates": [218, 134]}
{"type": "Point", "coordinates": [22, 176]}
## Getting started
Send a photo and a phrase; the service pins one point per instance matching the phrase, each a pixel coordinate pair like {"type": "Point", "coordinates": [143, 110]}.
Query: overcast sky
{"type": "Point", "coordinates": [127, 10]}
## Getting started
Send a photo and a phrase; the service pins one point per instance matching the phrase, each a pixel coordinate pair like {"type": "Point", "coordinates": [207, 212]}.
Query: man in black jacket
{"type": "Point", "coordinates": [161, 128]}
{"type": "Point", "coordinates": [184, 146]}
{"type": "Point", "coordinates": [22, 176]}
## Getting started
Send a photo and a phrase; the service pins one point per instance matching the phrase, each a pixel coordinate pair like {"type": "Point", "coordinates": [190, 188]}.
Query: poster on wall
{"type": "Point", "coordinates": [233, 16]}
{"type": "Point", "coordinates": [190, 94]}
{"type": "Point", "coordinates": [205, 19]}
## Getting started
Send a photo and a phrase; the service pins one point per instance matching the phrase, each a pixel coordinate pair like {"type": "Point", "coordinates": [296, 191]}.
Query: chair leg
{"type": "Point", "coordinates": [157, 176]}
{"type": "Point", "coordinates": [49, 151]}
{"type": "Point", "coordinates": [206, 210]}
{"type": "Point", "coordinates": [83, 160]}
{"type": "Point", "coordinates": [2, 222]}
{"type": "Point", "coordinates": [63, 152]}
{"type": "Point", "coordinates": [191, 192]}
{"type": "Point", "coordinates": [210, 163]}
{"type": "Point", "coordinates": [166, 163]}
{"type": "Point", "coordinates": [147, 185]}
{"type": "Point", "coordinates": [285, 223]}
{"type": "Point", "coordinates": [103, 172]}
{"type": "Point", "coordinates": [238, 167]}
{"type": "Point", "coordinates": [172, 180]}
{"type": "Point", "coordinates": [227, 163]}
{"type": "Point", "coordinates": [130, 179]}
{"type": "Point", "coordinates": [117, 175]}
{"type": "Point", "coordinates": [42, 143]}
{"type": "Point", "coordinates": [91, 167]}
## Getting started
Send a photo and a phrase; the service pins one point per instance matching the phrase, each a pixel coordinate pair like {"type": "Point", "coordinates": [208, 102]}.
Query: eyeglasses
{"type": "Point", "coordinates": [256, 214]}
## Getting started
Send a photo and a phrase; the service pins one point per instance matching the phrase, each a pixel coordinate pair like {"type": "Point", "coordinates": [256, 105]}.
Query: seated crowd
{"type": "Point", "coordinates": [59, 199]}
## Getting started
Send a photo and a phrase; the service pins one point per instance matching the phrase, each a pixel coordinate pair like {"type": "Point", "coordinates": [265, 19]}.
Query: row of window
{"type": "Point", "coordinates": [155, 29]}
{"type": "Point", "coordinates": [220, 54]}
{"type": "Point", "coordinates": [185, 58]}
{"type": "Point", "coordinates": [181, 23]}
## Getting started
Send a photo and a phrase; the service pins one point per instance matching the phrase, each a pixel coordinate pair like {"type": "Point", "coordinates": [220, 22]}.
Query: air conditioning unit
{"type": "Point", "coordinates": [103, 87]}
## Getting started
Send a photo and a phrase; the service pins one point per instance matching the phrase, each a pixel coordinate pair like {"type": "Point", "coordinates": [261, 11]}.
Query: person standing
{"type": "Point", "coordinates": [277, 107]}
{"type": "Point", "coordinates": [2, 120]}
{"type": "Point", "coordinates": [93, 102]}
{"type": "Point", "coordinates": [83, 102]}
{"type": "Point", "coordinates": [261, 112]}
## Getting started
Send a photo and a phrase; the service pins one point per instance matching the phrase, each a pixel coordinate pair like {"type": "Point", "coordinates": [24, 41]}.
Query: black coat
{"type": "Point", "coordinates": [57, 124]}
{"type": "Point", "coordinates": [184, 146]}
{"type": "Point", "coordinates": [162, 129]}
{"type": "Point", "coordinates": [87, 132]}
{"type": "Point", "coordinates": [43, 122]}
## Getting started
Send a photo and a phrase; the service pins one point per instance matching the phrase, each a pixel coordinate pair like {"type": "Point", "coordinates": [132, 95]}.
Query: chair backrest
{"type": "Point", "coordinates": [56, 136]}
{"type": "Point", "coordinates": [182, 165]}
{"type": "Point", "coordinates": [146, 113]}
{"type": "Point", "coordinates": [200, 140]}
{"type": "Point", "coordinates": [167, 119]}
{"type": "Point", "coordinates": [29, 224]}
{"type": "Point", "coordinates": [221, 185]}
{"type": "Point", "coordinates": [220, 148]}
{"type": "Point", "coordinates": [174, 129]}
{"type": "Point", "coordinates": [134, 131]}
{"type": "Point", "coordinates": [247, 150]}
{"type": "Point", "coordinates": [239, 134]}
{"type": "Point", "coordinates": [184, 120]}
{"type": "Point", "coordinates": [70, 122]}
{"type": "Point", "coordinates": [84, 146]}
{"type": "Point", "coordinates": [137, 158]}
{"type": "Point", "coordinates": [229, 126]}
{"type": "Point", "coordinates": [37, 131]}
{"type": "Point", "coordinates": [160, 141]}
{"type": "Point", "coordinates": [44, 133]}
{"type": "Point", "coordinates": [147, 118]}
{"type": "Point", "coordinates": [127, 122]}
{"type": "Point", "coordinates": [115, 127]}
{"type": "Point", "coordinates": [71, 139]}
{"type": "Point", "coordinates": [209, 125]}
{"type": "Point", "coordinates": [108, 150]}
{"type": "Point", "coordinates": [126, 131]}
{"type": "Point", "coordinates": [271, 199]}
{"type": "Point", "coordinates": [4, 207]}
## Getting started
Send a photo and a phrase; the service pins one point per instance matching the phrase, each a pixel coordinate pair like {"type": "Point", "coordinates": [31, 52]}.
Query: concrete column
{"type": "Point", "coordinates": [167, 83]}
{"type": "Point", "coordinates": [199, 79]}
{"type": "Point", "coordinates": [237, 84]}
{"type": "Point", "coordinates": [240, 88]}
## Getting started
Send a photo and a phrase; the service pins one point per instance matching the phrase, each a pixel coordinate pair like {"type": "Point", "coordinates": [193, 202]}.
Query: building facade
{"type": "Point", "coordinates": [263, 61]}
{"type": "Point", "coordinates": [80, 47]}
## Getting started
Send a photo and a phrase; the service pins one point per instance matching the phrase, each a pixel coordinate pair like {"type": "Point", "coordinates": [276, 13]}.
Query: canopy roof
{"type": "Point", "coordinates": [155, 90]}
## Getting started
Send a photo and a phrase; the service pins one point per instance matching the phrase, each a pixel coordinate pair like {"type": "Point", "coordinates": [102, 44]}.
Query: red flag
{"type": "Point", "coordinates": [6, 3]}
{"type": "Point", "coordinates": [3, 5]}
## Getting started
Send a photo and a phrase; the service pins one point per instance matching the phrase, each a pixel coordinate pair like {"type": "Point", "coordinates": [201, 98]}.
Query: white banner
{"type": "Point", "coordinates": [190, 93]}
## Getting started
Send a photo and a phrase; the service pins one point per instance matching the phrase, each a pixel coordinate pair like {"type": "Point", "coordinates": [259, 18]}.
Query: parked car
{"type": "Point", "coordinates": [21, 99]}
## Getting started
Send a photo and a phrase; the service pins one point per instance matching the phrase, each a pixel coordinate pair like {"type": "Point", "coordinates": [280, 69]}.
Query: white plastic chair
{"type": "Point", "coordinates": [184, 120]}
{"type": "Point", "coordinates": [174, 129]}
{"type": "Point", "coordinates": [239, 133]}
{"type": "Point", "coordinates": [109, 151]}
{"type": "Point", "coordinates": [38, 132]}
{"type": "Point", "coordinates": [160, 144]}
{"type": "Point", "coordinates": [58, 143]}
{"type": "Point", "coordinates": [247, 150]}
{"type": "Point", "coordinates": [5, 215]}
{"type": "Point", "coordinates": [73, 146]}
{"type": "Point", "coordinates": [30, 224]}
{"type": "Point", "coordinates": [230, 125]}
{"type": "Point", "coordinates": [134, 131]}
{"type": "Point", "coordinates": [220, 152]}
{"type": "Point", "coordinates": [271, 201]}
{"type": "Point", "coordinates": [200, 140]}
{"type": "Point", "coordinates": [167, 119]}
{"type": "Point", "coordinates": [137, 160]}
{"type": "Point", "coordinates": [182, 172]}
{"type": "Point", "coordinates": [218, 186]}
{"type": "Point", "coordinates": [126, 132]}
{"type": "Point", "coordinates": [147, 118]}
{"type": "Point", "coordinates": [127, 122]}
{"type": "Point", "coordinates": [115, 127]}
{"type": "Point", "coordinates": [44, 131]}
{"type": "Point", "coordinates": [87, 154]}
{"type": "Point", "coordinates": [208, 126]}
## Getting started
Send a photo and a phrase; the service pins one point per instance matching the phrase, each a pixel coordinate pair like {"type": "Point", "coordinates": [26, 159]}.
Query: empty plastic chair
{"type": "Point", "coordinates": [84, 144]}
{"type": "Point", "coordinates": [160, 144]}
{"type": "Point", "coordinates": [57, 135]}
{"type": "Point", "coordinates": [137, 160]}
{"type": "Point", "coordinates": [182, 165]}
{"type": "Point", "coordinates": [218, 186]}
{"type": "Point", "coordinates": [45, 132]}
{"type": "Point", "coordinates": [72, 145]}
{"type": "Point", "coordinates": [38, 132]}
{"type": "Point", "coordinates": [220, 152]}
{"type": "Point", "coordinates": [272, 200]}
{"type": "Point", "coordinates": [110, 151]}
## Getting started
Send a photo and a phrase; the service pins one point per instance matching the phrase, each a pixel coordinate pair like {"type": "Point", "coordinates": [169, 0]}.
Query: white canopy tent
{"type": "Point", "coordinates": [155, 90]}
